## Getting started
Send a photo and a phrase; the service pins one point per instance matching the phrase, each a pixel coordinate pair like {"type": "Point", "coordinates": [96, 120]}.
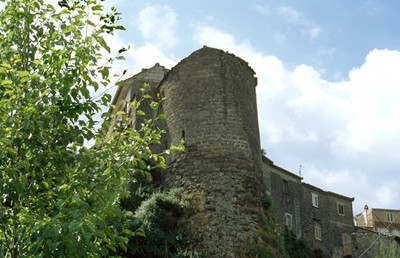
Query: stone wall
{"type": "Point", "coordinates": [285, 196]}
{"type": "Point", "coordinates": [368, 244]}
{"type": "Point", "coordinates": [334, 227]}
{"type": "Point", "coordinates": [211, 104]}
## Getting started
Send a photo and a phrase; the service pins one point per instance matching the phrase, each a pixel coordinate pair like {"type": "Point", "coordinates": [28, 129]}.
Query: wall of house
{"type": "Point", "coordinates": [341, 223]}
{"type": "Point", "coordinates": [285, 196]}
{"type": "Point", "coordinates": [377, 219]}
{"type": "Point", "coordinates": [314, 217]}
{"type": "Point", "coordinates": [289, 195]}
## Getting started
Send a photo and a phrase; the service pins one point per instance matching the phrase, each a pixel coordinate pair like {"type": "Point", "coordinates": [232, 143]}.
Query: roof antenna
{"type": "Point", "coordinates": [300, 166]}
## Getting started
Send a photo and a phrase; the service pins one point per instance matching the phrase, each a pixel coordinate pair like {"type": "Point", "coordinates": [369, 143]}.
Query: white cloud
{"type": "Point", "coordinates": [342, 130]}
{"type": "Point", "coordinates": [294, 17]}
{"type": "Point", "coordinates": [261, 9]}
{"type": "Point", "coordinates": [158, 23]}
{"type": "Point", "coordinates": [146, 56]}
{"type": "Point", "coordinates": [374, 106]}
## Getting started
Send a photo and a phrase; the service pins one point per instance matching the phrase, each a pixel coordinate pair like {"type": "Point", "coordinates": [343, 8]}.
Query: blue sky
{"type": "Point", "coordinates": [328, 73]}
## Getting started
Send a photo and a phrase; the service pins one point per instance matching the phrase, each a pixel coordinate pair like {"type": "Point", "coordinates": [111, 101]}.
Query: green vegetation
{"type": "Point", "coordinates": [273, 240]}
{"type": "Point", "coordinates": [268, 241]}
{"type": "Point", "coordinates": [295, 248]}
{"type": "Point", "coordinates": [160, 217]}
{"type": "Point", "coordinates": [60, 198]}
{"type": "Point", "coordinates": [389, 250]}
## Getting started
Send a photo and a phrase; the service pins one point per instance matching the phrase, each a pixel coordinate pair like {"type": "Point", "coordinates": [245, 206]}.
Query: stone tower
{"type": "Point", "coordinates": [211, 104]}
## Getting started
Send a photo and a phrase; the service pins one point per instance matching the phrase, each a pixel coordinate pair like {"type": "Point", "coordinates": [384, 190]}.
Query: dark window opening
{"type": "Point", "coordinates": [285, 187]}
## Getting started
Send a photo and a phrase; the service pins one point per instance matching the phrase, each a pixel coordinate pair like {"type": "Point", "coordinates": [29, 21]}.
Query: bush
{"type": "Point", "coordinates": [159, 218]}
{"type": "Point", "coordinates": [296, 248]}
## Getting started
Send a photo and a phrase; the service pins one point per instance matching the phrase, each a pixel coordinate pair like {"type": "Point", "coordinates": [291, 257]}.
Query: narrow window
{"type": "Point", "coordinates": [288, 220]}
{"type": "Point", "coordinates": [317, 232]}
{"type": "Point", "coordinates": [314, 197]}
{"type": "Point", "coordinates": [183, 134]}
{"type": "Point", "coordinates": [340, 208]}
{"type": "Point", "coordinates": [389, 216]}
{"type": "Point", "coordinates": [285, 187]}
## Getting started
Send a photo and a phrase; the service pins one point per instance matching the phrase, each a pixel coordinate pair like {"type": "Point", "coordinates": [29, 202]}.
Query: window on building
{"type": "Point", "coordinates": [317, 232]}
{"type": "Point", "coordinates": [340, 208]}
{"type": "Point", "coordinates": [389, 216]}
{"type": "Point", "coordinates": [314, 197]}
{"type": "Point", "coordinates": [288, 220]}
{"type": "Point", "coordinates": [285, 187]}
{"type": "Point", "coordinates": [346, 239]}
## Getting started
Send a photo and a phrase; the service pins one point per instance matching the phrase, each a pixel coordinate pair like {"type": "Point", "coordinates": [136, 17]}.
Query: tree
{"type": "Point", "coordinates": [59, 197]}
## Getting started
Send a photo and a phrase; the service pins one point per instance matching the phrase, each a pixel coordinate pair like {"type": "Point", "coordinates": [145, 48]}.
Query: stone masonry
{"type": "Point", "coordinates": [211, 104]}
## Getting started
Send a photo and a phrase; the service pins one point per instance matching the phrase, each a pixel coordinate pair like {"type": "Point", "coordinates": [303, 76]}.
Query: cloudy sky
{"type": "Point", "coordinates": [328, 79]}
{"type": "Point", "coordinates": [328, 73]}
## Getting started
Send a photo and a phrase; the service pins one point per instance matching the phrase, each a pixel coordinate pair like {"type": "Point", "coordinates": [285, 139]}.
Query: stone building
{"type": "Point", "coordinates": [323, 219]}
{"type": "Point", "coordinates": [284, 189]}
{"type": "Point", "coordinates": [327, 221]}
{"type": "Point", "coordinates": [211, 104]}
{"type": "Point", "coordinates": [386, 221]}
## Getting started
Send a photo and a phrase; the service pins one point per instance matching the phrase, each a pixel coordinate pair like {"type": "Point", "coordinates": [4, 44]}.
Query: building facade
{"type": "Point", "coordinates": [323, 219]}
{"type": "Point", "coordinates": [386, 221]}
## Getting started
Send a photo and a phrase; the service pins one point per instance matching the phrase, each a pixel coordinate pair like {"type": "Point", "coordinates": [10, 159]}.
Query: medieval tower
{"type": "Point", "coordinates": [211, 104]}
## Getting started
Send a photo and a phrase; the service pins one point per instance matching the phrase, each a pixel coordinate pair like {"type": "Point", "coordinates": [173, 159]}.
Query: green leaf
{"type": "Point", "coordinates": [121, 50]}
{"type": "Point", "coordinates": [119, 27]}
{"type": "Point", "coordinates": [11, 151]}
{"type": "Point", "coordinates": [98, 7]}
{"type": "Point", "coordinates": [103, 43]}
{"type": "Point", "coordinates": [23, 73]}
{"type": "Point", "coordinates": [147, 96]}
{"type": "Point", "coordinates": [140, 232]}
{"type": "Point", "coordinates": [7, 66]}
{"type": "Point", "coordinates": [6, 82]}
{"type": "Point", "coordinates": [154, 105]}
{"type": "Point", "coordinates": [63, 186]}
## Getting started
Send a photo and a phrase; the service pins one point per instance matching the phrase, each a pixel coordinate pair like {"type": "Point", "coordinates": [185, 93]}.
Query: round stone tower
{"type": "Point", "coordinates": [211, 104]}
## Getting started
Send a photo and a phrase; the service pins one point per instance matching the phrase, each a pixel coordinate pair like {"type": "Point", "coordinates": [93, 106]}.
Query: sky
{"type": "Point", "coordinates": [328, 74]}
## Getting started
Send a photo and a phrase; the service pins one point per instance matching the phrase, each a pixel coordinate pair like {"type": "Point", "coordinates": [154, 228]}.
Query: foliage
{"type": "Point", "coordinates": [273, 240]}
{"type": "Point", "coordinates": [389, 249]}
{"type": "Point", "coordinates": [296, 248]}
{"type": "Point", "coordinates": [159, 216]}
{"type": "Point", "coordinates": [268, 241]}
{"type": "Point", "coordinates": [60, 198]}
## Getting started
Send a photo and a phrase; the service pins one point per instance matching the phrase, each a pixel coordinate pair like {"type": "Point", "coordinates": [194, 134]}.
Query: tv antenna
{"type": "Point", "coordinates": [300, 167]}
